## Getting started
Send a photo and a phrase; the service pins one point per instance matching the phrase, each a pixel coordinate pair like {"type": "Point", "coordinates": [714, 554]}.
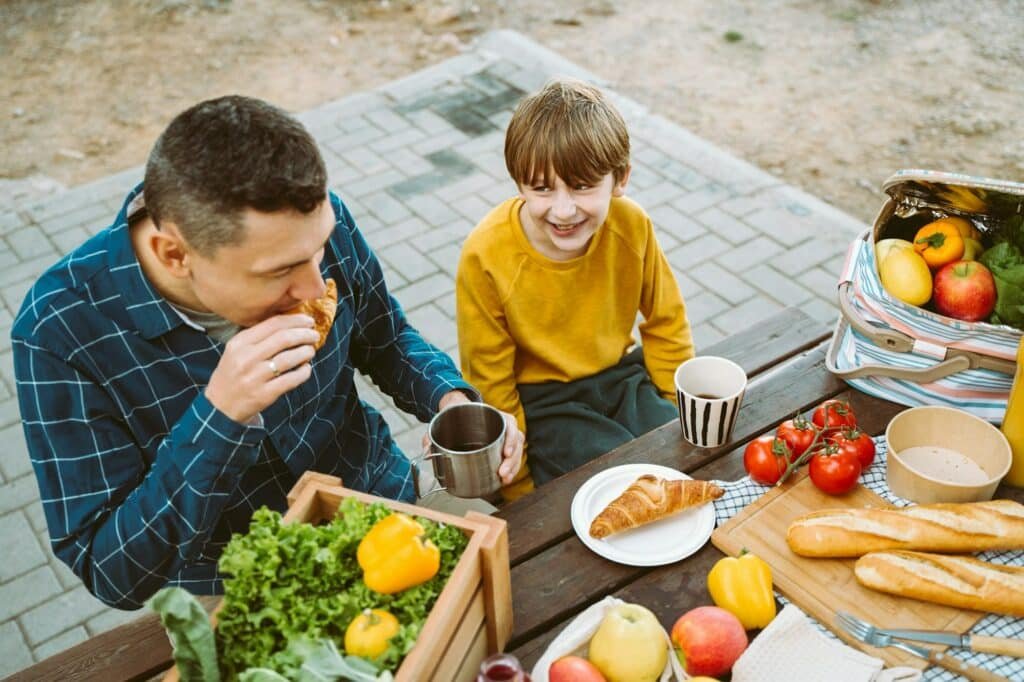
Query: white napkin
{"type": "Point", "coordinates": [575, 637]}
{"type": "Point", "coordinates": [791, 648]}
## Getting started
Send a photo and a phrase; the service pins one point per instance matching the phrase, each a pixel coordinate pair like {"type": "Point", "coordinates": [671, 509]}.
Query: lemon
{"type": "Point", "coordinates": [906, 276]}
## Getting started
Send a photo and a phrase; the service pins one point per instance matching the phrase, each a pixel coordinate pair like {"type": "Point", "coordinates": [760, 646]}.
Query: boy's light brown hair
{"type": "Point", "coordinates": [567, 129]}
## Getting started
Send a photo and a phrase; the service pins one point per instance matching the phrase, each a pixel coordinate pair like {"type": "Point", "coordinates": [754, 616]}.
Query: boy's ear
{"type": "Point", "coordinates": [620, 187]}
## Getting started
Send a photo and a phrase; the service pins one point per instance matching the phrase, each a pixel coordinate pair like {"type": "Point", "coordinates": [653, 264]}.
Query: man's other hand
{"type": "Point", "coordinates": [262, 363]}
{"type": "Point", "coordinates": [511, 454]}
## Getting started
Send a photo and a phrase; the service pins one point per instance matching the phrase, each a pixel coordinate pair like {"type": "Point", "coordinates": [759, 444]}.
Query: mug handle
{"type": "Point", "coordinates": [416, 476]}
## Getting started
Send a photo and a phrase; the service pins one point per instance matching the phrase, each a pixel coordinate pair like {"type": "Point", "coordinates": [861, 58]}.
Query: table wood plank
{"type": "Point", "coordinates": [134, 651]}
{"type": "Point", "coordinates": [770, 341]}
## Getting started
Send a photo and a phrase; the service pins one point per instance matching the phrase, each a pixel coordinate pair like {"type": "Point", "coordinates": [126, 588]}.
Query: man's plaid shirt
{"type": "Point", "coordinates": [142, 480]}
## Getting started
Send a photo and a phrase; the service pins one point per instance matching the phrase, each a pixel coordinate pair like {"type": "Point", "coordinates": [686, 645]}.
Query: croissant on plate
{"type": "Point", "coordinates": [650, 498]}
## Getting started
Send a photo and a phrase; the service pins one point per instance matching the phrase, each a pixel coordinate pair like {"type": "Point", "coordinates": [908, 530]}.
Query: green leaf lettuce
{"type": "Point", "coordinates": [190, 632]}
{"type": "Point", "coordinates": [1006, 262]}
{"type": "Point", "coordinates": [292, 586]}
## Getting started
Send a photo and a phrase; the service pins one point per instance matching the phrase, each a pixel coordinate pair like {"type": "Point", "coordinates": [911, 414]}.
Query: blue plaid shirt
{"type": "Point", "coordinates": [142, 479]}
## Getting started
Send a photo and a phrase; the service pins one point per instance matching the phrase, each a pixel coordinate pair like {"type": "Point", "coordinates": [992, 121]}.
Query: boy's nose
{"type": "Point", "coordinates": [564, 207]}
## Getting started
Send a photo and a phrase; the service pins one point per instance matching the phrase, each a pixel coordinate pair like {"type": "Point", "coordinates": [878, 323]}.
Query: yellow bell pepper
{"type": "Point", "coordinates": [369, 632]}
{"type": "Point", "coordinates": [939, 242]}
{"type": "Point", "coordinates": [395, 555]}
{"type": "Point", "coordinates": [743, 586]}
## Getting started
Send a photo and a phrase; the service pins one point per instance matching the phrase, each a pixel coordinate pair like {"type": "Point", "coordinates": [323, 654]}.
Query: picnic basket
{"type": "Point", "coordinates": [472, 617]}
{"type": "Point", "coordinates": [907, 354]}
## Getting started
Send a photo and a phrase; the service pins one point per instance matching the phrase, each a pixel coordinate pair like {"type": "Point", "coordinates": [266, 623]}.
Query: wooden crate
{"type": "Point", "coordinates": [472, 617]}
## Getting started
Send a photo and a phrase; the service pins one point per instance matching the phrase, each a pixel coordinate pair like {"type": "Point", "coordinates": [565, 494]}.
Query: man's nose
{"type": "Point", "coordinates": [308, 283]}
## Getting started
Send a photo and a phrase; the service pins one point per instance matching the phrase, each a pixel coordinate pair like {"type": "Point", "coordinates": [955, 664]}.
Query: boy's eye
{"type": "Point", "coordinates": [541, 188]}
{"type": "Point", "coordinates": [582, 188]}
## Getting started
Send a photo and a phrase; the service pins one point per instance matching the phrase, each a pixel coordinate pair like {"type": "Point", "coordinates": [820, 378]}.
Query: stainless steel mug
{"type": "Point", "coordinates": [465, 449]}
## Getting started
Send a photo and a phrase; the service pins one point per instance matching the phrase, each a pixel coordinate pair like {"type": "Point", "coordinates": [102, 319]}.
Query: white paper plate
{"type": "Point", "coordinates": [655, 544]}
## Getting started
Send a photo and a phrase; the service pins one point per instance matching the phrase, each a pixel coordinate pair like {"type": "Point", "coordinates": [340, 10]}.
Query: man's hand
{"type": "Point", "coordinates": [511, 454]}
{"type": "Point", "coordinates": [262, 363]}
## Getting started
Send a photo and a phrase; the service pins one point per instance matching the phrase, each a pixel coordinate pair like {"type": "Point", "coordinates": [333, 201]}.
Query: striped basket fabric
{"type": "Point", "coordinates": [982, 392]}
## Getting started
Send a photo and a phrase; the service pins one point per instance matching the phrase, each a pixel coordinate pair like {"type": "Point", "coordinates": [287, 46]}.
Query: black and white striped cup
{"type": "Point", "coordinates": [709, 391]}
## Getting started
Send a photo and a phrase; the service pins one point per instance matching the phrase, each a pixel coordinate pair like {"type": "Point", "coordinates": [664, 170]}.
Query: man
{"type": "Point", "coordinates": [165, 392]}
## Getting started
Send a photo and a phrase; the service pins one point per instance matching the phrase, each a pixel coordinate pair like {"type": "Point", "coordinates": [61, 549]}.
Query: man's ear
{"type": "Point", "coordinates": [171, 250]}
{"type": "Point", "coordinates": [620, 187]}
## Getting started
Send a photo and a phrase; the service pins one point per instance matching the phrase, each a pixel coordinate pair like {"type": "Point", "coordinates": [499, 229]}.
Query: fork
{"type": "Point", "coordinates": [869, 634]}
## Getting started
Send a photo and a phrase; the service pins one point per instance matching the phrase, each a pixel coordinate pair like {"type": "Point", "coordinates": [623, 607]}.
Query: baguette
{"type": "Point", "coordinates": [962, 582]}
{"type": "Point", "coordinates": [953, 528]}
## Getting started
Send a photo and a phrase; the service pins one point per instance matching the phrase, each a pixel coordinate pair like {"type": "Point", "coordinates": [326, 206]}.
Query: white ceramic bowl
{"type": "Point", "coordinates": [957, 430]}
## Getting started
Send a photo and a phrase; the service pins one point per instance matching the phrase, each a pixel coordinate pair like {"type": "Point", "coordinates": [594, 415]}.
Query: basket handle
{"type": "Point", "coordinates": [885, 338]}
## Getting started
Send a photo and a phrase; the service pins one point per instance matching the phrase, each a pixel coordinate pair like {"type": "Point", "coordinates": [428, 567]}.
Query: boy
{"type": "Point", "coordinates": [549, 285]}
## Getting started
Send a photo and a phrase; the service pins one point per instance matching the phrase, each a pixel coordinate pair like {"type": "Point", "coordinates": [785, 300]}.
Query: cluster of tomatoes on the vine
{"type": "Point", "coordinates": [830, 441]}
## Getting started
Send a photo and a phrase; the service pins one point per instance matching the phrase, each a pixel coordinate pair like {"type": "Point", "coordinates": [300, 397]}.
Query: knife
{"type": "Point", "coordinates": [991, 645]}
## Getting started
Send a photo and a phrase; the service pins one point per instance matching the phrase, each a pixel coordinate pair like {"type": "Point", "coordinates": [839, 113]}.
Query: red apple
{"type": "Point", "coordinates": [574, 669]}
{"type": "Point", "coordinates": [965, 290]}
{"type": "Point", "coordinates": [709, 640]}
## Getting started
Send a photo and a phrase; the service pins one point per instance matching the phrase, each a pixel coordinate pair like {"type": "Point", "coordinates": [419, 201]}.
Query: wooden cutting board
{"type": "Point", "coordinates": [823, 586]}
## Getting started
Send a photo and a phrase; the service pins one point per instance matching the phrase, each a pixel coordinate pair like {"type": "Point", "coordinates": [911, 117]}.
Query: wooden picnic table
{"type": "Point", "coordinates": [554, 576]}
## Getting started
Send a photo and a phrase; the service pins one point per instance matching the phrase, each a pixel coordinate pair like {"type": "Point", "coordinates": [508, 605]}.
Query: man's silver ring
{"type": "Point", "coordinates": [273, 368]}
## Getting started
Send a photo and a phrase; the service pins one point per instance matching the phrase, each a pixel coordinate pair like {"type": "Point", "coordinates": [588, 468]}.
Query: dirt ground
{"type": "Point", "coordinates": [830, 96]}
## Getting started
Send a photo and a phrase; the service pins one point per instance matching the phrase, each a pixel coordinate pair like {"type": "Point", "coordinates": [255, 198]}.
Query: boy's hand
{"type": "Point", "coordinates": [511, 454]}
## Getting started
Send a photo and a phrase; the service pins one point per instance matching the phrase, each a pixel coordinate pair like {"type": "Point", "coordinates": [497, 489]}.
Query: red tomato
{"type": "Point", "coordinates": [834, 472]}
{"type": "Point", "coordinates": [765, 459]}
{"type": "Point", "coordinates": [857, 442]}
{"type": "Point", "coordinates": [835, 413]}
{"type": "Point", "coordinates": [798, 434]}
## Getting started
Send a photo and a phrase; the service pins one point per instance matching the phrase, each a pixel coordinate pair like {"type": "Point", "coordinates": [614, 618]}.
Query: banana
{"type": "Point", "coordinates": [963, 198]}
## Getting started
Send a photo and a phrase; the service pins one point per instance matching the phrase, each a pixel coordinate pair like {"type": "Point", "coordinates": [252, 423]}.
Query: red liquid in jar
{"type": "Point", "coordinates": [502, 668]}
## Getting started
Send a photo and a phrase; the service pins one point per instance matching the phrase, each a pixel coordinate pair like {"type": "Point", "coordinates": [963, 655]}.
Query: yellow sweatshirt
{"type": "Point", "coordinates": [524, 318]}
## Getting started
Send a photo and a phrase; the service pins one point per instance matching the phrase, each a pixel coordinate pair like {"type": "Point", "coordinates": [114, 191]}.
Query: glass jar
{"type": "Point", "coordinates": [502, 668]}
{"type": "Point", "coordinates": [1013, 423]}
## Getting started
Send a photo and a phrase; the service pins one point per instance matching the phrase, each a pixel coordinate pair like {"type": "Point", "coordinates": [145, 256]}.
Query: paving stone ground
{"type": "Point", "coordinates": [418, 162]}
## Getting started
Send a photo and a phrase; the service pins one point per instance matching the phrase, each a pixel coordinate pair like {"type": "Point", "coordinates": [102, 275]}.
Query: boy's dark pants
{"type": "Point", "coordinates": [569, 424]}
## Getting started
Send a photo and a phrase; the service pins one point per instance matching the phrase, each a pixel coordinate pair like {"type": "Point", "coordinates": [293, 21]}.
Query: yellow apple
{"type": "Point", "coordinates": [629, 645]}
{"type": "Point", "coordinates": [886, 246]}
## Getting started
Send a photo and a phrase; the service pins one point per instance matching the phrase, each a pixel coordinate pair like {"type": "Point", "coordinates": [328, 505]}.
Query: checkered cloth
{"type": "Point", "coordinates": [142, 480]}
{"type": "Point", "coordinates": [738, 494]}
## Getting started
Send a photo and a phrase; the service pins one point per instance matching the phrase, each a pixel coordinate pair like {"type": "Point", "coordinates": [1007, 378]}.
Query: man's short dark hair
{"type": "Point", "coordinates": [226, 155]}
